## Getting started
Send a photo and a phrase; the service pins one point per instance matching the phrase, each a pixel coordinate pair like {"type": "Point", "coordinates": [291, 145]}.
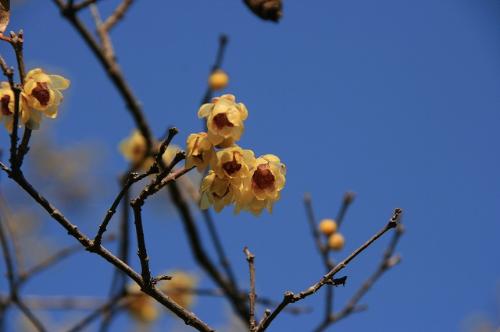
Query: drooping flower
{"type": "Point", "coordinates": [180, 288]}
{"type": "Point", "coordinates": [262, 188]}
{"type": "Point", "coordinates": [215, 191]}
{"type": "Point", "coordinates": [141, 306]}
{"type": "Point", "coordinates": [218, 80]}
{"type": "Point", "coordinates": [7, 107]}
{"type": "Point", "coordinates": [43, 94]}
{"type": "Point", "coordinates": [224, 119]}
{"type": "Point", "coordinates": [233, 163]}
{"type": "Point", "coordinates": [169, 154]}
{"type": "Point", "coordinates": [199, 151]}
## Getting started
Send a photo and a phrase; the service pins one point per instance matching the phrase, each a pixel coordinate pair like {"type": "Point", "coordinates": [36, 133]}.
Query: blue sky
{"type": "Point", "coordinates": [396, 100]}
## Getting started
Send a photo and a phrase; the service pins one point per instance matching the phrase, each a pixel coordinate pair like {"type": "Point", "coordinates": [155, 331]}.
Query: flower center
{"type": "Point", "coordinates": [263, 178]}
{"type": "Point", "coordinates": [222, 121]}
{"type": "Point", "coordinates": [231, 167]}
{"type": "Point", "coordinates": [5, 105]}
{"type": "Point", "coordinates": [41, 93]}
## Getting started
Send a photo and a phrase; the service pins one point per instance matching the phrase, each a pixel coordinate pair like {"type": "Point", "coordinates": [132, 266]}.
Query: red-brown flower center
{"type": "Point", "coordinates": [232, 166]}
{"type": "Point", "coordinates": [41, 93]}
{"type": "Point", "coordinates": [222, 121]}
{"type": "Point", "coordinates": [5, 105]}
{"type": "Point", "coordinates": [263, 178]}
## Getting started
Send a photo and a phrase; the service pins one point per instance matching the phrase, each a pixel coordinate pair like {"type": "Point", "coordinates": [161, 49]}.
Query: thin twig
{"type": "Point", "coordinates": [188, 317]}
{"type": "Point", "coordinates": [96, 313]}
{"type": "Point", "coordinates": [290, 297]}
{"type": "Point", "coordinates": [251, 294]}
{"type": "Point", "coordinates": [117, 15]}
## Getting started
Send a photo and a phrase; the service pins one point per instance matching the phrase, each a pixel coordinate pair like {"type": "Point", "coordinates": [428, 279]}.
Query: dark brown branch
{"type": "Point", "coordinates": [202, 258]}
{"type": "Point", "coordinates": [113, 71]}
{"type": "Point", "coordinates": [251, 294]}
{"type": "Point", "coordinates": [131, 179]}
{"type": "Point", "coordinates": [389, 260]}
{"type": "Point", "coordinates": [290, 297]}
{"type": "Point", "coordinates": [117, 15]}
{"type": "Point", "coordinates": [346, 202]}
{"type": "Point", "coordinates": [84, 4]}
{"type": "Point", "coordinates": [188, 317]}
{"type": "Point", "coordinates": [223, 260]}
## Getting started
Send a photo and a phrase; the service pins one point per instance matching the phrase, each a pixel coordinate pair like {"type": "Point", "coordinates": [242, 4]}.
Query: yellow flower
{"type": "Point", "coordinates": [327, 226]}
{"type": "Point", "coordinates": [336, 241]}
{"type": "Point", "coordinates": [134, 149]}
{"type": "Point", "coordinates": [218, 80]}
{"type": "Point", "coordinates": [169, 154]}
{"type": "Point", "coordinates": [140, 305]}
{"type": "Point", "coordinates": [7, 105]}
{"type": "Point", "coordinates": [215, 191]}
{"type": "Point", "coordinates": [180, 288]}
{"type": "Point", "coordinates": [43, 93]}
{"type": "Point", "coordinates": [224, 119]}
{"type": "Point", "coordinates": [262, 188]}
{"type": "Point", "coordinates": [199, 151]}
{"type": "Point", "coordinates": [233, 163]}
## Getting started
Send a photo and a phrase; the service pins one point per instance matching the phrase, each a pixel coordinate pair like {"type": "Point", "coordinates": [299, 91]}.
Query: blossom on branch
{"type": "Point", "coordinates": [224, 119]}
{"type": "Point", "coordinates": [199, 151]}
{"type": "Point", "coordinates": [218, 80]}
{"type": "Point", "coordinates": [7, 105]}
{"type": "Point", "coordinates": [263, 187]}
{"type": "Point", "coordinates": [43, 95]}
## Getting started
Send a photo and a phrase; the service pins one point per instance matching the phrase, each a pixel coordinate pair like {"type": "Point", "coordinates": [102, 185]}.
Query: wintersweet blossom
{"type": "Point", "coordinates": [7, 107]}
{"type": "Point", "coordinates": [263, 187]}
{"type": "Point", "coordinates": [43, 94]}
{"type": "Point", "coordinates": [180, 288]}
{"type": "Point", "coordinates": [215, 191]}
{"type": "Point", "coordinates": [224, 119]}
{"type": "Point", "coordinates": [134, 148]}
{"type": "Point", "coordinates": [336, 241]}
{"type": "Point", "coordinates": [199, 151]}
{"type": "Point", "coordinates": [233, 163]}
{"type": "Point", "coordinates": [141, 306]}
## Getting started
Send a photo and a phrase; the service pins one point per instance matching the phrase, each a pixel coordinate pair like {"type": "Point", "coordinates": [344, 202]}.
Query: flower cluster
{"type": "Point", "coordinates": [328, 227]}
{"type": "Point", "coordinates": [40, 95]}
{"type": "Point", "coordinates": [134, 149]}
{"type": "Point", "coordinates": [235, 175]}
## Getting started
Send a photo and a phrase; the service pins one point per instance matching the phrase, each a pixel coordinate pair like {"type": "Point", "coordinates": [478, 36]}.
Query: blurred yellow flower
{"type": "Point", "coordinates": [43, 94]}
{"type": "Point", "coordinates": [263, 187]}
{"type": "Point", "coordinates": [199, 151]}
{"type": "Point", "coordinates": [218, 79]}
{"type": "Point", "coordinates": [215, 191]}
{"type": "Point", "coordinates": [141, 306]}
{"type": "Point", "coordinates": [180, 288]}
{"type": "Point", "coordinates": [233, 163]}
{"type": "Point", "coordinates": [169, 154]}
{"type": "Point", "coordinates": [7, 104]}
{"type": "Point", "coordinates": [224, 119]}
{"type": "Point", "coordinates": [134, 148]}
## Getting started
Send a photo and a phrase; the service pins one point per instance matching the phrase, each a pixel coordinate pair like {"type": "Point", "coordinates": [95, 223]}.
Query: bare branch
{"type": "Point", "coordinates": [290, 297]}
{"type": "Point", "coordinates": [117, 15]}
{"type": "Point", "coordinates": [251, 295]}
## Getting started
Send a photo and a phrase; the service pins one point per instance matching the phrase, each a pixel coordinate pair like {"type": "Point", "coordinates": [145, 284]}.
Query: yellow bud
{"type": "Point", "coordinates": [336, 241]}
{"type": "Point", "coordinates": [327, 226]}
{"type": "Point", "coordinates": [218, 80]}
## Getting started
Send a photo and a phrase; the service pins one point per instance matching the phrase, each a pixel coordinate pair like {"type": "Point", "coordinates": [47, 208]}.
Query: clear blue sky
{"type": "Point", "coordinates": [397, 100]}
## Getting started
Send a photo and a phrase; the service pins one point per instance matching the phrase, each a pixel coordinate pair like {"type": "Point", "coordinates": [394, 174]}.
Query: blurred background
{"type": "Point", "coordinates": [396, 100]}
